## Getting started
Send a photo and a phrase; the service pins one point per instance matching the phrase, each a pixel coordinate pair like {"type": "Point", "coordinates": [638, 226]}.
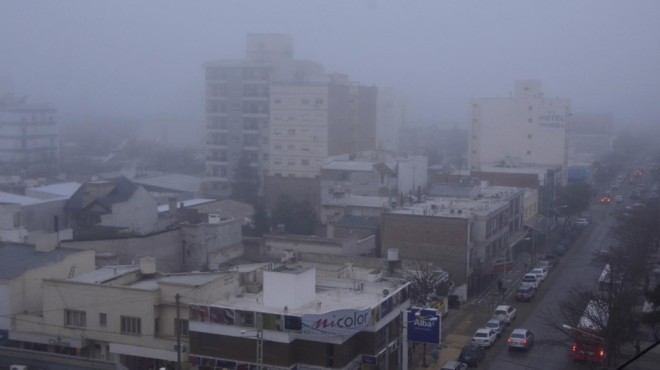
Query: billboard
{"type": "Point", "coordinates": [423, 325]}
{"type": "Point", "coordinates": [336, 322]}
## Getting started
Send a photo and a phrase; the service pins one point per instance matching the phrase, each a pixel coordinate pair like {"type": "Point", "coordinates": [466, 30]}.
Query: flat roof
{"type": "Point", "coordinates": [105, 273]}
{"type": "Point", "coordinates": [357, 201]}
{"type": "Point", "coordinates": [17, 258]}
{"type": "Point", "coordinates": [332, 291]}
{"type": "Point", "coordinates": [491, 198]}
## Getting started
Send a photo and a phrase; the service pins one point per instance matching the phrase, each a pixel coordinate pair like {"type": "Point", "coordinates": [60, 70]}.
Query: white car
{"type": "Point", "coordinates": [496, 325]}
{"type": "Point", "coordinates": [540, 272]}
{"type": "Point", "coordinates": [505, 313]}
{"type": "Point", "coordinates": [484, 337]}
{"type": "Point", "coordinates": [581, 222]}
{"type": "Point", "coordinates": [532, 280]}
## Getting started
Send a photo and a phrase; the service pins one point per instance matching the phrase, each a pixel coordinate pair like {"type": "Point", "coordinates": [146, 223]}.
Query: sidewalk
{"type": "Point", "coordinates": [459, 326]}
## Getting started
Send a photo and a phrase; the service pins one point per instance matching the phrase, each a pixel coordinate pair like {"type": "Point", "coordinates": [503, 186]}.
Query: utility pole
{"type": "Point", "coordinates": [260, 340]}
{"type": "Point", "coordinates": [178, 332]}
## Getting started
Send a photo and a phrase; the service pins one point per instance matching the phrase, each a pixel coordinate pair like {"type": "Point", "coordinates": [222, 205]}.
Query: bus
{"type": "Point", "coordinates": [589, 345]}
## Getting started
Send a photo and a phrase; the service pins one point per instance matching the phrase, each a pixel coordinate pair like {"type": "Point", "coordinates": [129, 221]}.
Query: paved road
{"type": "Point", "coordinates": [575, 267]}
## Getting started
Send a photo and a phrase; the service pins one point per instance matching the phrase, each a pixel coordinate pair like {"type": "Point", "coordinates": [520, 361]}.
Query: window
{"type": "Point", "coordinates": [291, 131]}
{"type": "Point", "coordinates": [529, 136]}
{"type": "Point", "coordinates": [131, 325]}
{"type": "Point", "coordinates": [529, 120]}
{"type": "Point", "coordinates": [530, 107]}
{"type": "Point", "coordinates": [304, 162]}
{"type": "Point", "coordinates": [157, 325]}
{"type": "Point", "coordinates": [181, 326]}
{"type": "Point", "coordinates": [17, 219]}
{"type": "Point", "coordinates": [529, 152]}
{"type": "Point", "coordinates": [103, 320]}
{"type": "Point", "coordinates": [75, 318]}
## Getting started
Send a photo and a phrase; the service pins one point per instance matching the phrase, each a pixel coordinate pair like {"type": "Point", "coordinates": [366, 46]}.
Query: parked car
{"type": "Point", "coordinates": [472, 355]}
{"type": "Point", "coordinates": [454, 365]}
{"type": "Point", "coordinates": [581, 222]}
{"type": "Point", "coordinates": [540, 272]}
{"type": "Point", "coordinates": [484, 337]}
{"type": "Point", "coordinates": [505, 313]}
{"type": "Point", "coordinates": [497, 325]}
{"type": "Point", "coordinates": [552, 258]}
{"type": "Point", "coordinates": [520, 339]}
{"type": "Point", "coordinates": [525, 293]}
{"type": "Point", "coordinates": [532, 279]}
{"type": "Point", "coordinates": [545, 264]}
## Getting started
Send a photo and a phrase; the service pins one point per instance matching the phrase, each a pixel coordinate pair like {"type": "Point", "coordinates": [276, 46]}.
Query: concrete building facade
{"type": "Point", "coordinates": [525, 129]}
{"type": "Point", "coordinates": [468, 237]}
{"type": "Point", "coordinates": [291, 305]}
{"type": "Point", "coordinates": [29, 139]}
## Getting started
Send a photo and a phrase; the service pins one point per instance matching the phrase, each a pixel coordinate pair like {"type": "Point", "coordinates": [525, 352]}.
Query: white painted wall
{"type": "Point", "coordinates": [139, 213]}
{"type": "Point", "coordinates": [287, 289]}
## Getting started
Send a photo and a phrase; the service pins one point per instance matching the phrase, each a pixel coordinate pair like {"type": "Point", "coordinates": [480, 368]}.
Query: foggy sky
{"type": "Point", "coordinates": [144, 58]}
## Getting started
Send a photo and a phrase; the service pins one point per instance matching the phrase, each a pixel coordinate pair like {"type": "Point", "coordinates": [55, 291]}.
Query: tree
{"type": "Point", "coordinates": [245, 184]}
{"type": "Point", "coordinates": [427, 284]}
{"type": "Point", "coordinates": [297, 217]}
{"type": "Point", "coordinates": [260, 223]}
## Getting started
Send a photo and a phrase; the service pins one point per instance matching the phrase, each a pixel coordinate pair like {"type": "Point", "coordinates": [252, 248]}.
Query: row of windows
{"type": "Point", "coordinates": [304, 101]}
{"type": "Point", "coordinates": [290, 162]}
{"type": "Point", "coordinates": [290, 147]}
{"type": "Point", "coordinates": [128, 324]}
{"type": "Point", "coordinates": [248, 139]}
{"type": "Point", "coordinates": [255, 107]}
{"type": "Point", "coordinates": [249, 123]}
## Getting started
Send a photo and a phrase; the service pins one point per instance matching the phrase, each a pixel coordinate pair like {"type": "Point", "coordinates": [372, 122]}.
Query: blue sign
{"type": "Point", "coordinates": [423, 325]}
{"type": "Point", "coordinates": [366, 359]}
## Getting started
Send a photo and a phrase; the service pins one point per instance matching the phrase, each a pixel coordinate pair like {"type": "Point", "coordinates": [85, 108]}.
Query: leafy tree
{"type": "Point", "coordinates": [245, 185]}
{"type": "Point", "coordinates": [298, 217]}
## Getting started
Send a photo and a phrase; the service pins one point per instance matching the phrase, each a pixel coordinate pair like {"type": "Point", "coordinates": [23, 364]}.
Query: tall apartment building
{"type": "Point", "coordinates": [524, 130]}
{"type": "Point", "coordinates": [591, 136]}
{"type": "Point", "coordinates": [29, 138]}
{"type": "Point", "coordinates": [269, 108]}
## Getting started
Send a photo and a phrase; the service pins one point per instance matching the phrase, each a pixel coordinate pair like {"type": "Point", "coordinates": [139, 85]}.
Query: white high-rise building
{"type": "Point", "coordinates": [525, 130]}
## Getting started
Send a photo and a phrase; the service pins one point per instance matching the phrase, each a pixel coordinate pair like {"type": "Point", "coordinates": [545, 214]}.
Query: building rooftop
{"type": "Point", "coordinates": [349, 166]}
{"type": "Point", "coordinates": [489, 199]}
{"type": "Point", "coordinates": [357, 201]}
{"type": "Point", "coordinates": [21, 199]}
{"type": "Point", "coordinates": [105, 274]}
{"type": "Point", "coordinates": [337, 287]}
{"type": "Point", "coordinates": [150, 282]}
{"type": "Point", "coordinates": [174, 181]}
{"type": "Point", "coordinates": [186, 203]}
{"type": "Point", "coordinates": [17, 258]}
{"type": "Point", "coordinates": [64, 190]}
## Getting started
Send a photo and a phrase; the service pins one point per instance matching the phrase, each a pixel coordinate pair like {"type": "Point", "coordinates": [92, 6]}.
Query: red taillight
{"type": "Point", "coordinates": [524, 341]}
{"type": "Point", "coordinates": [574, 348]}
{"type": "Point", "coordinates": [509, 340]}
{"type": "Point", "coordinates": [601, 353]}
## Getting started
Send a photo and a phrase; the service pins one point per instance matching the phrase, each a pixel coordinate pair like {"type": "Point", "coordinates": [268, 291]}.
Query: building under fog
{"type": "Point", "coordinates": [523, 130]}
{"type": "Point", "coordinates": [29, 138]}
{"type": "Point", "coordinates": [281, 115]}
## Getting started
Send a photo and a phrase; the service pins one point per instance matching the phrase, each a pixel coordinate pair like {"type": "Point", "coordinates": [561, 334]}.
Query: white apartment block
{"type": "Point", "coordinates": [298, 130]}
{"type": "Point", "coordinates": [526, 129]}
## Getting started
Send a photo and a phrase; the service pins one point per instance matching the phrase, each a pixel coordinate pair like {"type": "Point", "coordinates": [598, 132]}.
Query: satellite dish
{"type": "Point", "coordinates": [386, 292]}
